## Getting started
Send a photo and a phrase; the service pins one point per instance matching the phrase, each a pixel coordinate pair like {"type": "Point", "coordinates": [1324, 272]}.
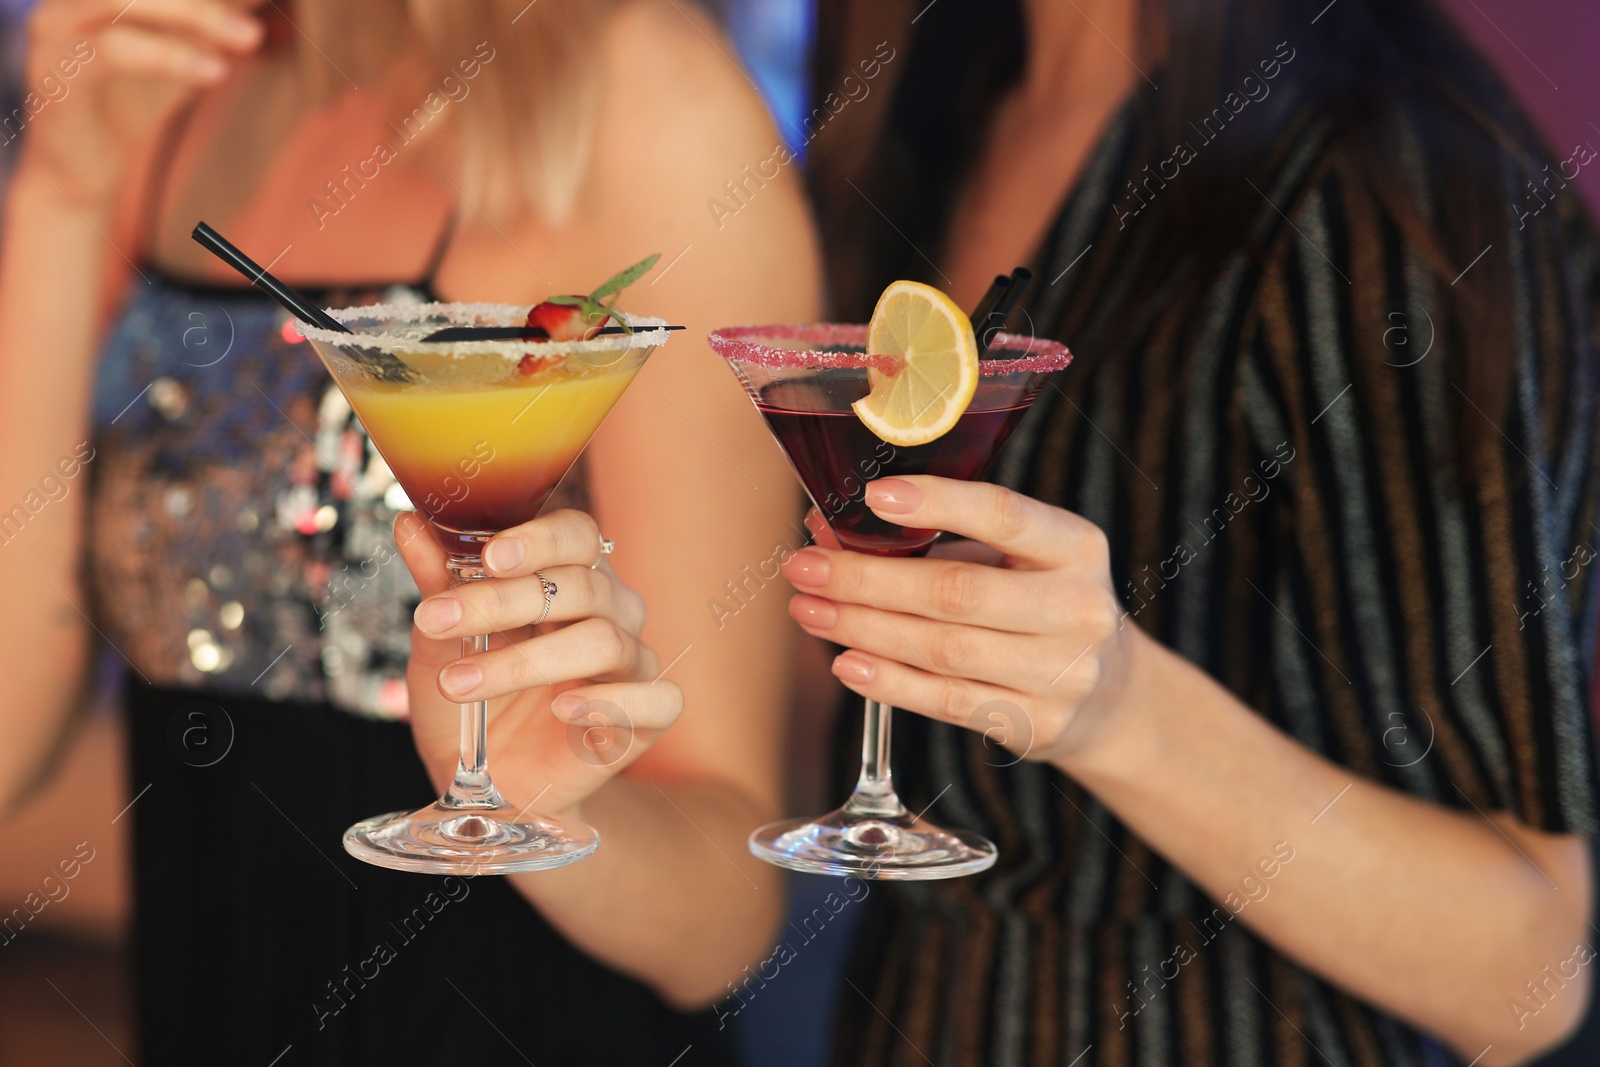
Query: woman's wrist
{"type": "Point", "coordinates": [35, 190]}
{"type": "Point", "coordinates": [1126, 739]}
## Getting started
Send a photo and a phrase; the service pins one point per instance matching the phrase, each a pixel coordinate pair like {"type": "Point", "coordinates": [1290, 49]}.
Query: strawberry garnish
{"type": "Point", "coordinates": [568, 322]}
{"type": "Point", "coordinates": [579, 318]}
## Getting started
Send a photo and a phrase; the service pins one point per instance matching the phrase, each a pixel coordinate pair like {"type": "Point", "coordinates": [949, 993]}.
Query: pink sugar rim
{"type": "Point", "coordinates": [742, 343]}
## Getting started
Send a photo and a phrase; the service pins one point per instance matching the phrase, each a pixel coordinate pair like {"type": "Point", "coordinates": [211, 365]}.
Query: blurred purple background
{"type": "Point", "coordinates": [1549, 51]}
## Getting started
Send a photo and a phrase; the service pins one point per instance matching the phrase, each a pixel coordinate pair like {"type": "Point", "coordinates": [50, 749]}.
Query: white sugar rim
{"type": "Point", "coordinates": [647, 331]}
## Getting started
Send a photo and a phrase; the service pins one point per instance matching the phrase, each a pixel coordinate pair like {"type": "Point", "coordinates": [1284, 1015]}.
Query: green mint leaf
{"type": "Point", "coordinates": [627, 327]}
{"type": "Point", "coordinates": [618, 282]}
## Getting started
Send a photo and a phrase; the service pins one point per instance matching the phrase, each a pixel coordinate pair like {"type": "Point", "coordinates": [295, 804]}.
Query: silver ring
{"type": "Point", "coordinates": [550, 592]}
{"type": "Point", "coordinates": [607, 546]}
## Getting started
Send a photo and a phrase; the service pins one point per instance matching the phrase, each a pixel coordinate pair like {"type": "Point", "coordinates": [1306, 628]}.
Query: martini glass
{"type": "Point", "coordinates": [477, 433]}
{"type": "Point", "coordinates": [803, 380]}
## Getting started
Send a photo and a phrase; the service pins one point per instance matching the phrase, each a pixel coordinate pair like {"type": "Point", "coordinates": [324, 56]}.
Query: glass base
{"type": "Point", "coordinates": [892, 847]}
{"type": "Point", "coordinates": [469, 840]}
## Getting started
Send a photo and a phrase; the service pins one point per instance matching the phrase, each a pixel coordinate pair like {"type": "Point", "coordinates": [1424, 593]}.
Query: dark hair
{"type": "Point", "coordinates": [1370, 67]}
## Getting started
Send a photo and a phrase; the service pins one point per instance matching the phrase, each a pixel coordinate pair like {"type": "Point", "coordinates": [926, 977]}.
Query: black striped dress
{"type": "Point", "coordinates": [1288, 507]}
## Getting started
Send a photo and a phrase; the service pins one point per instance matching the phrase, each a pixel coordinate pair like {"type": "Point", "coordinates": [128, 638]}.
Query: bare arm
{"type": "Point", "coordinates": [1387, 896]}
{"type": "Point", "coordinates": [49, 262]}
{"type": "Point", "coordinates": [110, 82]}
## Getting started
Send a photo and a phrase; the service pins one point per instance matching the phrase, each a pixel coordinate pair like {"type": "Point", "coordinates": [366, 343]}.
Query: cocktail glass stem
{"type": "Point", "coordinates": [874, 794]}
{"type": "Point", "coordinates": [873, 835]}
{"type": "Point", "coordinates": [472, 787]}
{"type": "Point", "coordinates": [471, 829]}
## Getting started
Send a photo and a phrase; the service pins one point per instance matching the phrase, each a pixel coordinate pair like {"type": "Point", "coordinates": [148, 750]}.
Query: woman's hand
{"type": "Point", "coordinates": [580, 700]}
{"type": "Point", "coordinates": [104, 75]}
{"type": "Point", "coordinates": [1031, 651]}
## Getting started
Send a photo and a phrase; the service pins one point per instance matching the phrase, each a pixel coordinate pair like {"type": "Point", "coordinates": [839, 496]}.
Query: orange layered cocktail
{"type": "Point", "coordinates": [480, 410]}
{"type": "Point", "coordinates": [485, 457]}
{"type": "Point", "coordinates": [478, 433]}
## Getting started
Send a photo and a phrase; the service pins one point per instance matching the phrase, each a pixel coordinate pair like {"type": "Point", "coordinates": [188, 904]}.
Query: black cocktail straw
{"type": "Point", "coordinates": [986, 305]}
{"type": "Point", "coordinates": [1007, 302]}
{"type": "Point", "coordinates": [296, 303]}
{"type": "Point", "coordinates": [521, 333]}
{"type": "Point", "coordinates": [1004, 305]}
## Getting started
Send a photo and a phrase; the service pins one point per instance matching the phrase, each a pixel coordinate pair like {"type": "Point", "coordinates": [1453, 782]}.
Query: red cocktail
{"type": "Point", "coordinates": [803, 380]}
{"type": "Point", "coordinates": [836, 455]}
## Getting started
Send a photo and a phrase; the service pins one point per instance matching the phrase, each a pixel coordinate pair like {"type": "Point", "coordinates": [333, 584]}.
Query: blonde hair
{"type": "Point", "coordinates": [524, 130]}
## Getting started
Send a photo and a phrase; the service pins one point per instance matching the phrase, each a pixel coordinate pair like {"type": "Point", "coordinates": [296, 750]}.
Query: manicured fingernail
{"type": "Point", "coordinates": [896, 496]}
{"type": "Point", "coordinates": [567, 705]}
{"type": "Point", "coordinates": [461, 679]}
{"type": "Point", "coordinates": [853, 668]}
{"type": "Point", "coordinates": [437, 614]}
{"type": "Point", "coordinates": [504, 555]}
{"type": "Point", "coordinates": [813, 611]}
{"type": "Point", "coordinates": [807, 567]}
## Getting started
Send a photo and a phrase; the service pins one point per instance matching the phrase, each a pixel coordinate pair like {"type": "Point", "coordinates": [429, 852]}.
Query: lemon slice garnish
{"type": "Point", "coordinates": [932, 341]}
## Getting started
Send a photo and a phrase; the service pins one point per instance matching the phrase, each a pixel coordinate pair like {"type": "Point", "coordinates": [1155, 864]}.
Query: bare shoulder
{"type": "Point", "coordinates": [677, 99]}
{"type": "Point", "coordinates": [687, 155]}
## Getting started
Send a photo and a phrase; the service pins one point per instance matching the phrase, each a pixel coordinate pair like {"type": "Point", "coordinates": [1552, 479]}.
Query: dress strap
{"type": "Point", "coordinates": [160, 171]}
{"type": "Point", "coordinates": [441, 246]}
